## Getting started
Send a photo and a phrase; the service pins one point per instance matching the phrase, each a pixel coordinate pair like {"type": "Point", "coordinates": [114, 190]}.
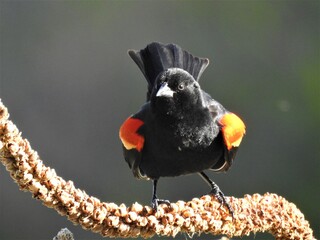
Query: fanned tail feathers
{"type": "Point", "coordinates": [157, 57]}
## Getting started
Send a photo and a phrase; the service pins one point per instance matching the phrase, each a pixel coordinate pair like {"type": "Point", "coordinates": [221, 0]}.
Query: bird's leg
{"type": "Point", "coordinates": [215, 190]}
{"type": "Point", "coordinates": [155, 200]}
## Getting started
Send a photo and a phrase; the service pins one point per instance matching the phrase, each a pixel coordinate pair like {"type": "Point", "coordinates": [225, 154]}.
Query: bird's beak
{"type": "Point", "coordinates": [165, 91]}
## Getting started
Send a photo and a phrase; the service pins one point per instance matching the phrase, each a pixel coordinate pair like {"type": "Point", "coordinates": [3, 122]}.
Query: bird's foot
{"type": "Point", "coordinates": [221, 198]}
{"type": "Point", "coordinates": [156, 201]}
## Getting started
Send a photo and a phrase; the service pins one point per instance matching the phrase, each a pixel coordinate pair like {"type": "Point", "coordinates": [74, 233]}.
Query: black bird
{"type": "Point", "coordinates": [180, 129]}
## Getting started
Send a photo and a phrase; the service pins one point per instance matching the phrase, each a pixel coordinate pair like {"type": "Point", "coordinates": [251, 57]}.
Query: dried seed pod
{"type": "Point", "coordinates": [142, 221]}
{"type": "Point", "coordinates": [136, 207]}
{"type": "Point", "coordinates": [99, 214]}
{"type": "Point", "coordinates": [133, 216]}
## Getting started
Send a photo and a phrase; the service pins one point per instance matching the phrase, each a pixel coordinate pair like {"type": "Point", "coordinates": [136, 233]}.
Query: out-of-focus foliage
{"type": "Point", "coordinates": [68, 83]}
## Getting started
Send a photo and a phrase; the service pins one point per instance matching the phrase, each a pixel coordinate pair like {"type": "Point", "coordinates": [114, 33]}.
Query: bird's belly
{"type": "Point", "coordinates": [167, 160]}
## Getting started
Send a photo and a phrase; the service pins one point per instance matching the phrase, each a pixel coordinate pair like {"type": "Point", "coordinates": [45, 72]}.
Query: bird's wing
{"type": "Point", "coordinates": [132, 137]}
{"type": "Point", "coordinates": [232, 130]}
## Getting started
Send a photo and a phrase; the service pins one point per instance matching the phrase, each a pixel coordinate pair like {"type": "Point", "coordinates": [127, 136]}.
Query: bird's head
{"type": "Point", "coordinates": [175, 89]}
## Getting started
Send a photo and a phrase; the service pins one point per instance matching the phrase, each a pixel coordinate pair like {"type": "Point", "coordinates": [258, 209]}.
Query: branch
{"type": "Point", "coordinates": [256, 213]}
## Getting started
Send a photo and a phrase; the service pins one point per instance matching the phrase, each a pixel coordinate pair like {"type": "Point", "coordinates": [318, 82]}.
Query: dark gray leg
{"type": "Point", "coordinates": [215, 190]}
{"type": "Point", "coordinates": [155, 201]}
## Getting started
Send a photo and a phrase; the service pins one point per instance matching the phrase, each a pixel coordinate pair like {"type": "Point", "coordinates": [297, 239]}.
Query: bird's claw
{"type": "Point", "coordinates": [221, 198]}
{"type": "Point", "coordinates": [156, 201]}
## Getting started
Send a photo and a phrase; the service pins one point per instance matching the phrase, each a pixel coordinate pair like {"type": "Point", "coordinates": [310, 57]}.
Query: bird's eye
{"type": "Point", "coordinates": [181, 86]}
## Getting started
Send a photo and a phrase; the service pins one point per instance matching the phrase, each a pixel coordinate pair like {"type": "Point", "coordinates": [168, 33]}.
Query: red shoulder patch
{"type": "Point", "coordinates": [233, 129]}
{"type": "Point", "coordinates": [129, 136]}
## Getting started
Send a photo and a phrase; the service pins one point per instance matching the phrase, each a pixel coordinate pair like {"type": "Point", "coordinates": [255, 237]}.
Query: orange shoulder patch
{"type": "Point", "coordinates": [129, 136]}
{"type": "Point", "coordinates": [233, 129]}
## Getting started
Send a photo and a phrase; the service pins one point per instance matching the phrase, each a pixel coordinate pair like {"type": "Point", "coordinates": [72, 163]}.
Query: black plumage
{"type": "Point", "coordinates": [179, 125]}
{"type": "Point", "coordinates": [156, 58]}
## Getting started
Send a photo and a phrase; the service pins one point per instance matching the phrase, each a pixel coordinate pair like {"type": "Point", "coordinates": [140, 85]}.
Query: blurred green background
{"type": "Point", "coordinates": [69, 84]}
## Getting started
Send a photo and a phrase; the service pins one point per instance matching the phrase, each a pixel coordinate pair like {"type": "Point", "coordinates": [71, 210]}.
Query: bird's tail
{"type": "Point", "coordinates": [157, 57]}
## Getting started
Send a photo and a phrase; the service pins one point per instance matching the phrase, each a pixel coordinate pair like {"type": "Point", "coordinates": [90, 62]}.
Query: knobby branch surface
{"type": "Point", "coordinates": [253, 213]}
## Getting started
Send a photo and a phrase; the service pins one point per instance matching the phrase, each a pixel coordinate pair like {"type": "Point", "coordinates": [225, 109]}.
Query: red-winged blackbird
{"type": "Point", "coordinates": [180, 129]}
